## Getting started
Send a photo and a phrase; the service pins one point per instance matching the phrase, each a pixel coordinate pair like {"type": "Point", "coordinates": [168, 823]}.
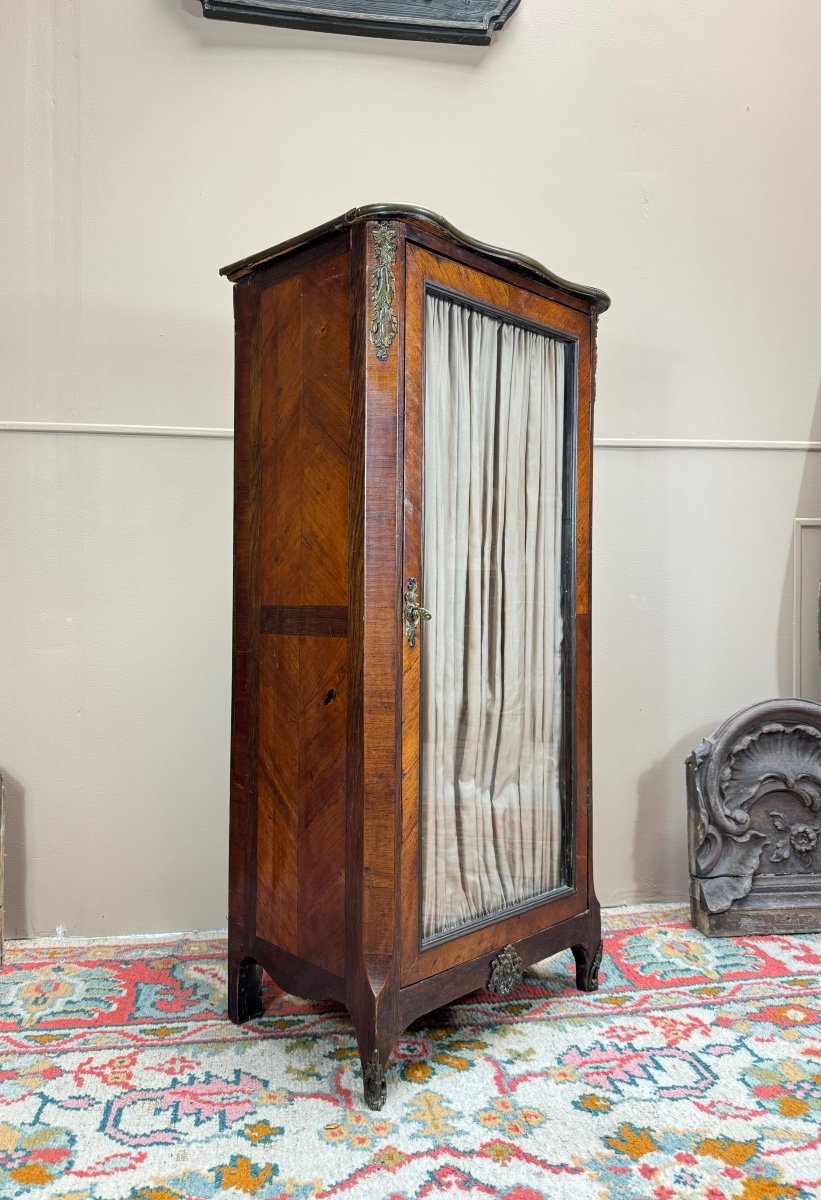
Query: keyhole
{"type": "Point", "coordinates": [331, 695]}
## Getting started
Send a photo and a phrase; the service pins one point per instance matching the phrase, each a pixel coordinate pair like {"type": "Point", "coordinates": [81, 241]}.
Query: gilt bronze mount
{"type": "Point", "coordinates": [505, 972]}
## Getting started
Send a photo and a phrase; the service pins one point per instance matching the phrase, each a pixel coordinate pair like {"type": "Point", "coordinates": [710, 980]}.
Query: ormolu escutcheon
{"type": "Point", "coordinates": [414, 612]}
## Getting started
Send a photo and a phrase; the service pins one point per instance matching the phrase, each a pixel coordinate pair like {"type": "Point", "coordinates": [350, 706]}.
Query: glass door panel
{"type": "Point", "coordinates": [493, 781]}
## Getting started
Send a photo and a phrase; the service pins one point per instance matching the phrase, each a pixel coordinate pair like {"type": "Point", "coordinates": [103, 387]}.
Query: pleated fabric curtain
{"type": "Point", "coordinates": [491, 725]}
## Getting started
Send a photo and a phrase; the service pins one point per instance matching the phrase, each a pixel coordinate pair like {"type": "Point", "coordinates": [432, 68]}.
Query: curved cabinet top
{"type": "Point", "coordinates": [431, 222]}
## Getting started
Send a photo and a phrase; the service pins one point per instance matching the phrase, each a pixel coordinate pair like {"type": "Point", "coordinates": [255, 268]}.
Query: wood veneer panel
{"type": "Point", "coordinates": [278, 790]}
{"type": "Point", "coordinates": [301, 797]}
{"type": "Point", "coordinates": [305, 436]}
{"type": "Point", "coordinates": [321, 852]}
{"type": "Point", "coordinates": [325, 432]}
{"type": "Point", "coordinates": [304, 479]}
{"type": "Point", "coordinates": [281, 443]}
{"type": "Point", "coordinates": [309, 620]}
{"type": "Point", "coordinates": [355, 982]}
{"type": "Point", "coordinates": [383, 630]}
{"type": "Point", "coordinates": [242, 828]}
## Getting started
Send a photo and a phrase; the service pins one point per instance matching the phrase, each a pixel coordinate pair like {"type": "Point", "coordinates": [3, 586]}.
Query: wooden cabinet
{"type": "Point", "coordinates": [410, 773]}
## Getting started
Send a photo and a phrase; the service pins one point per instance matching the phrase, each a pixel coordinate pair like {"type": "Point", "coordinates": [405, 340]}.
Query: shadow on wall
{"type": "Point", "coordinates": [660, 832]}
{"type": "Point", "coordinates": [235, 35]}
{"type": "Point", "coordinates": [808, 504]}
{"type": "Point", "coordinates": [15, 873]}
{"type": "Point", "coordinates": [660, 828]}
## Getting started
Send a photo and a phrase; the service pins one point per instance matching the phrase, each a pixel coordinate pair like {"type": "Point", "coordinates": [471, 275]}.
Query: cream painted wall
{"type": "Point", "coordinates": [666, 151]}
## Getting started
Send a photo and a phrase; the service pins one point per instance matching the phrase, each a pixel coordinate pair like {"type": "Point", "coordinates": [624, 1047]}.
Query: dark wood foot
{"type": "Point", "coordinates": [244, 990]}
{"type": "Point", "coordinates": [376, 1088]}
{"type": "Point", "coordinates": [587, 967]}
{"type": "Point", "coordinates": [376, 1040]}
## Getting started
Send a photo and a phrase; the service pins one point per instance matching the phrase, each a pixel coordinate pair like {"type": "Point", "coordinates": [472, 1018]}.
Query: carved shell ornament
{"type": "Point", "coordinates": [774, 758]}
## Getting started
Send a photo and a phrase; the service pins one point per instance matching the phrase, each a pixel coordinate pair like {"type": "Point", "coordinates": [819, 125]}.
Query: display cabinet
{"type": "Point", "coordinates": [410, 765]}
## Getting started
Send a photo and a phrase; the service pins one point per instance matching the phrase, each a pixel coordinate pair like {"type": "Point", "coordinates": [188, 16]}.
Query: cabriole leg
{"type": "Point", "coordinates": [244, 990]}
{"type": "Point", "coordinates": [588, 961]}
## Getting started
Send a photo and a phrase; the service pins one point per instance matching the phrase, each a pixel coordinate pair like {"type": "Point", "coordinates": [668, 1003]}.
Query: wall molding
{"type": "Point", "coordinates": [701, 444]}
{"type": "Point", "coordinates": [799, 525]}
{"type": "Point", "coordinates": [189, 431]}
{"type": "Point", "coordinates": [204, 431]}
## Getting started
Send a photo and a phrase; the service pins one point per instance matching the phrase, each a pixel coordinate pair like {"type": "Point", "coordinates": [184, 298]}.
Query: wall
{"type": "Point", "coordinates": [667, 152]}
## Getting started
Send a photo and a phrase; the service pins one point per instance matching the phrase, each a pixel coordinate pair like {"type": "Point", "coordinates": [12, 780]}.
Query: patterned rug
{"type": "Point", "coordinates": [694, 1073]}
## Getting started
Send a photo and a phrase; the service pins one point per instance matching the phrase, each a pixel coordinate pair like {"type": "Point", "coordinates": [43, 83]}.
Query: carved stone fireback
{"type": "Point", "coordinates": [754, 822]}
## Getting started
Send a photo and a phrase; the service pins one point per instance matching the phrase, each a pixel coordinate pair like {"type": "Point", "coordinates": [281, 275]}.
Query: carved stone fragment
{"type": "Point", "coordinates": [754, 819]}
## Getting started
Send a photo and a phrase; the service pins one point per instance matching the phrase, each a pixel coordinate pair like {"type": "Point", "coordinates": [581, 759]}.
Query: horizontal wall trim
{"type": "Point", "coordinates": [201, 431]}
{"type": "Point", "coordinates": [190, 431]}
{"type": "Point", "coordinates": [701, 444]}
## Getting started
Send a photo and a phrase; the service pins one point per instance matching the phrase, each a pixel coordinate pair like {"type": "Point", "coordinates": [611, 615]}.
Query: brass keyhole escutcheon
{"type": "Point", "coordinates": [414, 611]}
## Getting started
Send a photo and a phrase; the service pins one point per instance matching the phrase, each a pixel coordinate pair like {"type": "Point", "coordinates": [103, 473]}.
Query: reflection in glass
{"type": "Point", "coordinates": [491, 724]}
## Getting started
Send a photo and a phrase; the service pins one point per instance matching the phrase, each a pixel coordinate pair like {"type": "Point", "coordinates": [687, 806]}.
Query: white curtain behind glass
{"type": "Point", "coordinates": [491, 656]}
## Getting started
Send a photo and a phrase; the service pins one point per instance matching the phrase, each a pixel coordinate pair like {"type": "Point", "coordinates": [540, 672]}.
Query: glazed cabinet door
{"type": "Point", "coordinates": [494, 835]}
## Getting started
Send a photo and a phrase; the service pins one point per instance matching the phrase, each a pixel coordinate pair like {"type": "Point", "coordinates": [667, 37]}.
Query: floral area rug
{"type": "Point", "coordinates": [693, 1074]}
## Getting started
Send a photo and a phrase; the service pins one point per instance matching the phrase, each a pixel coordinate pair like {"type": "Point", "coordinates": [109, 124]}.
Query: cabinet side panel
{"type": "Point", "coordinates": [244, 684]}
{"type": "Point", "coordinates": [323, 701]}
{"type": "Point", "coordinates": [305, 420]}
{"type": "Point", "coordinates": [305, 385]}
{"type": "Point", "coordinates": [278, 790]}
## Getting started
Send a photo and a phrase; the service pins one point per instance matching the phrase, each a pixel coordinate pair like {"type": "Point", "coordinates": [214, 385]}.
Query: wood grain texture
{"type": "Point", "coordinates": [278, 791]}
{"type": "Point", "coordinates": [308, 620]}
{"type": "Point", "coordinates": [375, 631]}
{"type": "Point", "coordinates": [321, 789]}
{"type": "Point", "coordinates": [303, 591]}
{"type": "Point", "coordinates": [355, 982]}
{"type": "Point", "coordinates": [305, 432]}
{"type": "Point", "coordinates": [292, 421]}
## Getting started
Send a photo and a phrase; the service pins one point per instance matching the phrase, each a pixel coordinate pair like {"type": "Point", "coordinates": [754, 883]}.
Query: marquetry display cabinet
{"type": "Point", "coordinates": [410, 774]}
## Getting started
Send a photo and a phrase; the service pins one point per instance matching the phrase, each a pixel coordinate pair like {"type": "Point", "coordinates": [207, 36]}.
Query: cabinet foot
{"type": "Point", "coordinates": [376, 1088]}
{"type": "Point", "coordinates": [244, 990]}
{"type": "Point", "coordinates": [587, 967]}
